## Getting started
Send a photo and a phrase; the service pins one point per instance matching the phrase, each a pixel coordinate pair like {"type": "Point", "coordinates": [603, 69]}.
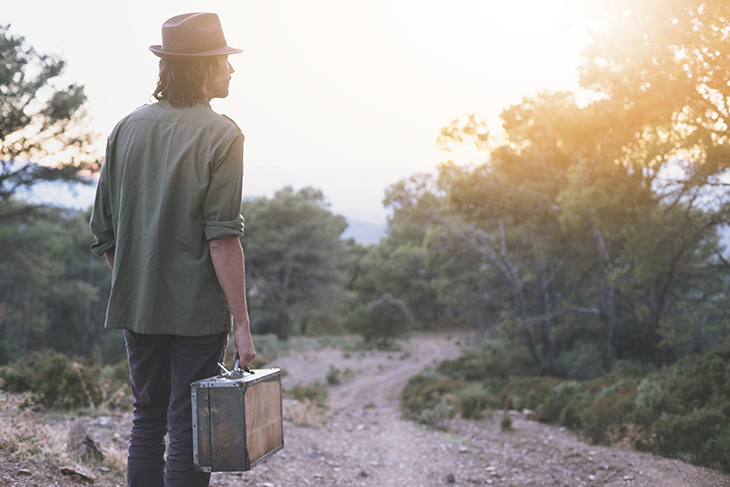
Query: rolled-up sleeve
{"type": "Point", "coordinates": [222, 204]}
{"type": "Point", "coordinates": [101, 224]}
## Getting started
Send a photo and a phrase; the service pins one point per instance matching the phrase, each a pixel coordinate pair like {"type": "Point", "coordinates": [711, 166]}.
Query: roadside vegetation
{"type": "Point", "coordinates": [679, 411]}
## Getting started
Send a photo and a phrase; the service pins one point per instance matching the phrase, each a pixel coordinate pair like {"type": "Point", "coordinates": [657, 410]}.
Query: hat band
{"type": "Point", "coordinates": [195, 49]}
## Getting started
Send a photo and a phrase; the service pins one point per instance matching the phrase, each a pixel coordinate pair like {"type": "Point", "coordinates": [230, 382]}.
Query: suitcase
{"type": "Point", "coordinates": [237, 419]}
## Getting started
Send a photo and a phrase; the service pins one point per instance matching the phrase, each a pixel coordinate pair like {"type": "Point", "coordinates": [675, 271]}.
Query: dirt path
{"type": "Point", "coordinates": [366, 442]}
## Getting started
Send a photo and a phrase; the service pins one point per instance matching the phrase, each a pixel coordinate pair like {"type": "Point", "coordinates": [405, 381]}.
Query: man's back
{"type": "Point", "coordinates": [172, 182]}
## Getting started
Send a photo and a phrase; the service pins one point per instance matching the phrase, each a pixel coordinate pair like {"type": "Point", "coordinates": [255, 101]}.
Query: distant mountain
{"type": "Point", "coordinates": [364, 232]}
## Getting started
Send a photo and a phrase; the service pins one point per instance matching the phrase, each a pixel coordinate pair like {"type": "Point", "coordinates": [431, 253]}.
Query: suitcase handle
{"type": "Point", "coordinates": [236, 367]}
{"type": "Point", "coordinates": [237, 372]}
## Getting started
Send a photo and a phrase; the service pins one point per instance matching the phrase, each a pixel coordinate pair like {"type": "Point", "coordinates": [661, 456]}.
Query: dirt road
{"type": "Point", "coordinates": [366, 442]}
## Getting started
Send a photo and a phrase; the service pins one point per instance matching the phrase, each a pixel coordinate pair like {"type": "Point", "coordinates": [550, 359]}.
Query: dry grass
{"type": "Point", "coordinates": [626, 436]}
{"type": "Point", "coordinates": [305, 412]}
{"type": "Point", "coordinates": [115, 458]}
{"type": "Point", "coordinates": [23, 436]}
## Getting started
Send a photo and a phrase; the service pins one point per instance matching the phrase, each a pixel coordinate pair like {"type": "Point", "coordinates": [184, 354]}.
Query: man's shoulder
{"type": "Point", "coordinates": [199, 115]}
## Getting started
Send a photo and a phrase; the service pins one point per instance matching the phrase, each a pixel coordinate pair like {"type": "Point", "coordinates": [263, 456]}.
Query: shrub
{"type": "Point", "coordinates": [528, 392]}
{"type": "Point", "coordinates": [649, 398]}
{"type": "Point", "coordinates": [492, 364]}
{"type": "Point", "coordinates": [333, 376]}
{"type": "Point", "coordinates": [314, 392]}
{"type": "Point", "coordinates": [55, 380]}
{"type": "Point", "coordinates": [505, 424]}
{"type": "Point", "coordinates": [717, 451]}
{"type": "Point", "coordinates": [604, 412]}
{"type": "Point", "coordinates": [381, 321]}
{"type": "Point", "coordinates": [471, 401]}
{"type": "Point", "coordinates": [424, 395]}
{"type": "Point", "coordinates": [679, 435]}
{"type": "Point", "coordinates": [556, 400]}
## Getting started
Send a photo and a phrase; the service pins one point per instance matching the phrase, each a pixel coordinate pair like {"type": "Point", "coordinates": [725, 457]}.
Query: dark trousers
{"type": "Point", "coordinates": [161, 369]}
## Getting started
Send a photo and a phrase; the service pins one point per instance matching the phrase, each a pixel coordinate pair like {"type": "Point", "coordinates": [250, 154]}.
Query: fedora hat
{"type": "Point", "coordinates": [191, 35]}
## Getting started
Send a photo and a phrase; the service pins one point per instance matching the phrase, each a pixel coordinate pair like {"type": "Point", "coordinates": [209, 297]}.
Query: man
{"type": "Point", "coordinates": [167, 219]}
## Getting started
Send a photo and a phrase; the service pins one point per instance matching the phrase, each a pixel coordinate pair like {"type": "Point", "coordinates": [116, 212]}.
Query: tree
{"type": "Point", "coordinates": [398, 264]}
{"type": "Point", "coordinates": [293, 258]}
{"type": "Point", "coordinates": [41, 300]}
{"type": "Point", "coordinates": [381, 321]}
{"type": "Point", "coordinates": [42, 132]}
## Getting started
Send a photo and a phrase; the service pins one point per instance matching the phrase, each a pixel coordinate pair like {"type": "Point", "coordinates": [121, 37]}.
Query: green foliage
{"type": "Point", "coordinates": [333, 376]}
{"type": "Point", "coordinates": [649, 398]}
{"type": "Point", "coordinates": [294, 259]}
{"type": "Point", "coordinates": [314, 392]}
{"type": "Point", "coordinates": [679, 411]}
{"type": "Point", "coordinates": [505, 424]}
{"type": "Point", "coordinates": [429, 399]}
{"type": "Point", "coordinates": [52, 289]}
{"type": "Point", "coordinates": [471, 401]}
{"type": "Point", "coordinates": [492, 363]}
{"type": "Point", "coordinates": [58, 382]}
{"type": "Point", "coordinates": [381, 321]}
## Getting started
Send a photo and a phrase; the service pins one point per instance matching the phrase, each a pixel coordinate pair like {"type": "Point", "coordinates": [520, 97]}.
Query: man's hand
{"type": "Point", "coordinates": [227, 256]}
{"type": "Point", "coordinates": [245, 350]}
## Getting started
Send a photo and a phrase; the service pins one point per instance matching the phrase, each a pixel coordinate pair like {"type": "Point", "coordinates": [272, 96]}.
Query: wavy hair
{"type": "Point", "coordinates": [180, 81]}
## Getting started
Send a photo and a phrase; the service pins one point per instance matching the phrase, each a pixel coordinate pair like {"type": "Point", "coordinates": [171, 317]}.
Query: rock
{"type": "Point", "coordinates": [530, 415]}
{"type": "Point", "coordinates": [450, 478]}
{"type": "Point", "coordinates": [363, 473]}
{"type": "Point", "coordinates": [23, 472]}
{"type": "Point", "coordinates": [463, 449]}
{"type": "Point", "coordinates": [81, 443]}
{"type": "Point", "coordinates": [77, 471]}
{"type": "Point", "coordinates": [360, 427]}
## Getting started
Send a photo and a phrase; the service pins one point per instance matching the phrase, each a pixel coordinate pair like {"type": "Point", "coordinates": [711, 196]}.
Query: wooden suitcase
{"type": "Point", "coordinates": [237, 420]}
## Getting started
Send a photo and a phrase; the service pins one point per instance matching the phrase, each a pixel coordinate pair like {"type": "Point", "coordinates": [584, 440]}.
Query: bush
{"type": "Point", "coordinates": [59, 382]}
{"type": "Point", "coordinates": [603, 412]}
{"type": "Point", "coordinates": [473, 400]}
{"type": "Point", "coordinates": [429, 399]}
{"type": "Point", "coordinates": [381, 321]}
{"type": "Point", "coordinates": [493, 364]}
{"type": "Point", "coordinates": [528, 392]}
{"type": "Point", "coordinates": [689, 435]}
{"type": "Point", "coordinates": [648, 399]}
{"type": "Point", "coordinates": [505, 424]}
{"type": "Point", "coordinates": [333, 376]}
{"type": "Point", "coordinates": [314, 392]}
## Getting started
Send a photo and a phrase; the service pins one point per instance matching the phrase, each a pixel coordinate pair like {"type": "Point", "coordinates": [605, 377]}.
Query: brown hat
{"type": "Point", "coordinates": [193, 35]}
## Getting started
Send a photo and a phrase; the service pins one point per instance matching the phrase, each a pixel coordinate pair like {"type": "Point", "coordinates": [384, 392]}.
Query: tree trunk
{"type": "Point", "coordinates": [525, 328]}
{"type": "Point", "coordinates": [87, 313]}
{"type": "Point", "coordinates": [606, 314]}
{"type": "Point", "coordinates": [26, 320]}
{"type": "Point", "coordinates": [547, 344]}
{"type": "Point", "coordinates": [480, 321]}
{"type": "Point", "coordinates": [304, 325]}
{"type": "Point", "coordinates": [283, 330]}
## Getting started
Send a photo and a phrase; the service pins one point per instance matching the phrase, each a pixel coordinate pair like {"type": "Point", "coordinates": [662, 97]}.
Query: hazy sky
{"type": "Point", "coordinates": [347, 96]}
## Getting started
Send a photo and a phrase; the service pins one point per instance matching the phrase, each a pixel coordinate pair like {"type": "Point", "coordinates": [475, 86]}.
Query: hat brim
{"type": "Point", "coordinates": [223, 51]}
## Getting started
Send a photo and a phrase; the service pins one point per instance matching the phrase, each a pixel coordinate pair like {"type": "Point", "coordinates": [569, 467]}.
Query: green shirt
{"type": "Point", "coordinates": [171, 181]}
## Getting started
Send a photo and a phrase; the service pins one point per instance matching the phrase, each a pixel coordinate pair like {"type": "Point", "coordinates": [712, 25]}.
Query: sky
{"type": "Point", "coordinates": [347, 96]}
